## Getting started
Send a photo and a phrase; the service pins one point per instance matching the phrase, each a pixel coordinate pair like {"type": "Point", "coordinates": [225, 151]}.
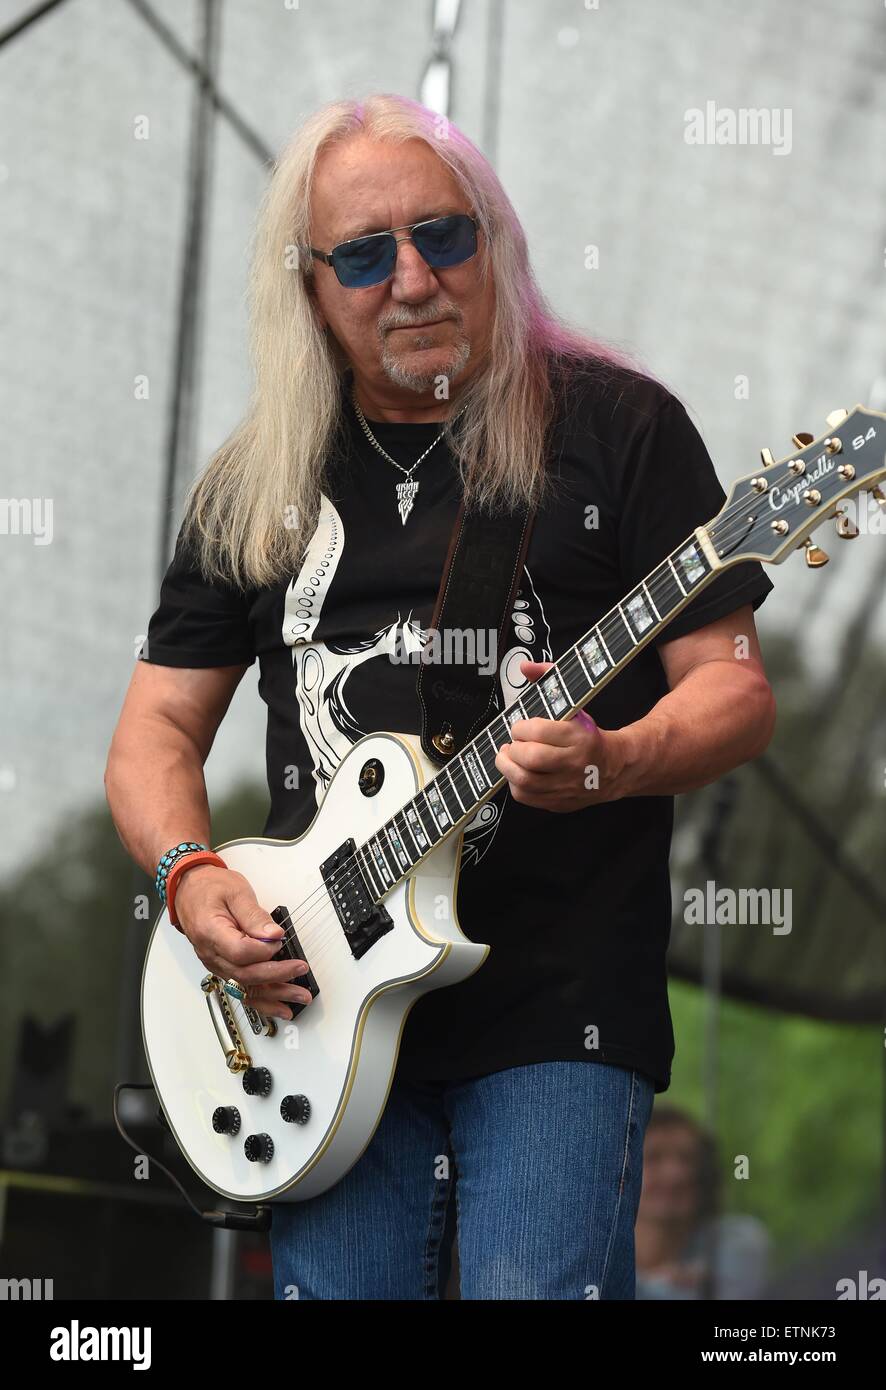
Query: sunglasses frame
{"type": "Point", "coordinates": [327, 256]}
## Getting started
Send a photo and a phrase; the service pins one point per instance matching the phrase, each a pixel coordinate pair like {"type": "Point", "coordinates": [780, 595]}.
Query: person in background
{"type": "Point", "coordinates": [686, 1248]}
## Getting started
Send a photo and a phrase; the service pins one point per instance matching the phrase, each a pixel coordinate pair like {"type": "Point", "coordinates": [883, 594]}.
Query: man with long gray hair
{"type": "Point", "coordinates": [405, 360]}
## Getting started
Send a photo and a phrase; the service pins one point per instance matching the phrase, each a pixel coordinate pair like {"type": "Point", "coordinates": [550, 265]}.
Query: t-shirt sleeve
{"type": "Point", "coordinates": [198, 623]}
{"type": "Point", "coordinates": [670, 487]}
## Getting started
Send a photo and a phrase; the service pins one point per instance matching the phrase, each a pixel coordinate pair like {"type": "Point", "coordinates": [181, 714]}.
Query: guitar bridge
{"type": "Point", "coordinates": [291, 949]}
{"type": "Point", "coordinates": [362, 919]}
{"type": "Point", "coordinates": [237, 1058]}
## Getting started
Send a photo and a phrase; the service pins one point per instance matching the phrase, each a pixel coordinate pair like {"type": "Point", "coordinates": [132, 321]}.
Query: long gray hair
{"type": "Point", "coordinates": [251, 513]}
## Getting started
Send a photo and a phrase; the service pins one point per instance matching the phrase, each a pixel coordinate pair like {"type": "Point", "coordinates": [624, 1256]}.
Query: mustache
{"type": "Point", "coordinates": [430, 316]}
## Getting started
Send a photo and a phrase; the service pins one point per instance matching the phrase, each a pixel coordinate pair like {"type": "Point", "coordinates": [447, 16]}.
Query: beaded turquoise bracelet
{"type": "Point", "coordinates": [168, 859]}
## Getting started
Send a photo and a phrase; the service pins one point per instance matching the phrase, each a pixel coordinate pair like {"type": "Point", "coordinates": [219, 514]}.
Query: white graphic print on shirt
{"type": "Point", "coordinates": [328, 724]}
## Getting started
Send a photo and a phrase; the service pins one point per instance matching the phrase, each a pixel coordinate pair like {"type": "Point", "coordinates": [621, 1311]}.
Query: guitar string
{"type": "Point", "coordinates": [728, 526]}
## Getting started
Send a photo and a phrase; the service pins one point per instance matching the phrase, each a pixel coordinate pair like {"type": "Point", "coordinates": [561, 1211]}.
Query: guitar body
{"type": "Point", "coordinates": [339, 1053]}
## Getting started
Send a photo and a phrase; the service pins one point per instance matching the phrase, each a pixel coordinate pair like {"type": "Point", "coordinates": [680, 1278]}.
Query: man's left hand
{"type": "Point", "coordinates": [560, 764]}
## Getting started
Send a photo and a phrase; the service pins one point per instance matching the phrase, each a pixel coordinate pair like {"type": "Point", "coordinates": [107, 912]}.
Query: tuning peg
{"type": "Point", "coordinates": [836, 418]}
{"type": "Point", "coordinates": [800, 440]}
{"type": "Point", "coordinates": [846, 529]}
{"type": "Point", "coordinates": [879, 496]}
{"type": "Point", "coordinates": [815, 556]}
{"type": "Point", "coordinates": [766, 457]}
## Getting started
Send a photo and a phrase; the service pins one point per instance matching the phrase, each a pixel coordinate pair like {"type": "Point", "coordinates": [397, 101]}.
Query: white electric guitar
{"type": "Point", "coordinates": [263, 1109]}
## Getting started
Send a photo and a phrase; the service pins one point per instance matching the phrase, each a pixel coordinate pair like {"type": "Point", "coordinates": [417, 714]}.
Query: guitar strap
{"type": "Point", "coordinates": [481, 577]}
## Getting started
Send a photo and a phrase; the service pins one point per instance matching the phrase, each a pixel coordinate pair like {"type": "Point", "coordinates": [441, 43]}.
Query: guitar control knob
{"type": "Point", "coordinates": [296, 1110]}
{"type": "Point", "coordinates": [259, 1148]}
{"type": "Point", "coordinates": [257, 1081]}
{"type": "Point", "coordinates": [226, 1120]}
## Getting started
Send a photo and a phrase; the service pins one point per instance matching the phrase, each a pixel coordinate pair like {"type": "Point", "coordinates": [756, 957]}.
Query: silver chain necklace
{"type": "Point", "coordinates": [408, 489]}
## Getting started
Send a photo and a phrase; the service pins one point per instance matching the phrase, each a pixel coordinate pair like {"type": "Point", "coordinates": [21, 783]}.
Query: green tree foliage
{"type": "Point", "coordinates": [67, 916]}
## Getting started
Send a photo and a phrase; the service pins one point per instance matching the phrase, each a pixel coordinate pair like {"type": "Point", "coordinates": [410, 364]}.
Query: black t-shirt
{"type": "Point", "coordinates": [575, 907]}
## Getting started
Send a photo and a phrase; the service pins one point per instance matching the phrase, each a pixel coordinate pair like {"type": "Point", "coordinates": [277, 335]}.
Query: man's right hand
{"type": "Point", "coordinates": [220, 916]}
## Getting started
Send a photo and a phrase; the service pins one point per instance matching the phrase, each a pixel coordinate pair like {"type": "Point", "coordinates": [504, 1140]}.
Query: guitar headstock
{"type": "Point", "coordinates": [772, 512]}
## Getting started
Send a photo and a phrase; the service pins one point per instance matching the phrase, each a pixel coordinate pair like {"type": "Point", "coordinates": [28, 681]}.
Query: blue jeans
{"type": "Point", "coordinates": [545, 1162]}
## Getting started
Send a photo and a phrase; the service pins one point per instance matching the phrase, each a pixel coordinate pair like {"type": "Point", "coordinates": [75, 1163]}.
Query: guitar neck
{"type": "Point", "coordinates": [453, 796]}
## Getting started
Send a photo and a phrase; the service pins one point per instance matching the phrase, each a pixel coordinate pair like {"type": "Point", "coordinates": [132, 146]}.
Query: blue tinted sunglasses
{"type": "Point", "coordinates": [369, 260]}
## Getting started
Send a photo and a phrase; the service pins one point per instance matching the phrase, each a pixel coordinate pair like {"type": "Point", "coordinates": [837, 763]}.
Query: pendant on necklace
{"type": "Point", "coordinates": [406, 492]}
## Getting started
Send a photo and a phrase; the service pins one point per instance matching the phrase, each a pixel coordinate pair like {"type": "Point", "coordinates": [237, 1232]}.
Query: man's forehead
{"type": "Point", "coordinates": [351, 198]}
{"type": "Point", "coordinates": [352, 224]}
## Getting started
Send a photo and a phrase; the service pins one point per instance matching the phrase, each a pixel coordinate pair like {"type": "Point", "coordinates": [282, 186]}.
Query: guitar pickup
{"type": "Point", "coordinates": [291, 949]}
{"type": "Point", "coordinates": [362, 920]}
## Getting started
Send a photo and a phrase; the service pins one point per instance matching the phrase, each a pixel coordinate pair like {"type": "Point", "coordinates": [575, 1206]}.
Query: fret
{"type": "Point", "coordinates": [426, 817]}
{"type": "Point", "coordinates": [462, 783]}
{"type": "Point", "coordinates": [405, 826]}
{"type": "Point", "coordinates": [474, 770]}
{"type": "Point", "coordinates": [401, 859]}
{"type": "Point", "coordinates": [383, 868]}
{"type": "Point", "coordinates": [437, 807]}
{"type": "Point", "coordinates": [630, 630]}
{"type": "Point", "coordinates": [566, 684]}
{"type": "Point", "coordinates": [447, 801]}
{"type": "Point", "coordinates": [480, 750]}
{"type": "Point", "coordinates": [502, 727]}
{"type": "Point", "coordinates": [553, 693]}
{"type": "Point", "coordinates": [532, 704]}
{"type": "Point", "coordinates": [576, 678]}
{"type": "Point", "coordinates": [545, 706]}
{"type": "Point", "coordinates": [513, 713]}
{"type": "Point", "coordinates": [668, 595]}
{"type": "Point", "coordinates": [693, 564]}
{"type": "Point", "coordinates": [617, 644]}
{"type": "Point", "coordinates": [487, 758]}
{"type": "Point", "coordinates": [596, 656]}
{"type": "Point", "coordinates": [640, 615]}
{"type": "Point", "coordinates": [645, 587]}
{"type": "Point", "coordinates": [498, 733]}
{"type": "Point", "coordinates": [599, 633]}
{"type": "Point", "coordinates": [417, 829]}
{"type": "Point", "coordinates": [677, 577]}
{"type": "Point", "coordinates": [584, 665]}
{"type": "Point", "coordinates": [455, 790]}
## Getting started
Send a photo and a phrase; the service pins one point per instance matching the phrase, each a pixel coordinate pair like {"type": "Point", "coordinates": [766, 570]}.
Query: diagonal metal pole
{"type": "Point", "coordinates": [25, 21]}
{"type": "Point", "coordinates": [200, 69]}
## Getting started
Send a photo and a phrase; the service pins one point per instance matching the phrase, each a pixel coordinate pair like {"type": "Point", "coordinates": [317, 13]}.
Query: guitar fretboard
{"type": "Point", "coordinates": [453, 796]}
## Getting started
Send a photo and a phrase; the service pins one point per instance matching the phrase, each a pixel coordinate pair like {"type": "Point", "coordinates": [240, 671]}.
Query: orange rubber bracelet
{"type": "Point", "coordinates": [187, 861]}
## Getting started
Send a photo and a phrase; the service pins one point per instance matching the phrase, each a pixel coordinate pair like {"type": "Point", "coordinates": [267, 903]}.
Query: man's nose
{"type": "Point", "coordinates": [412, 275]}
